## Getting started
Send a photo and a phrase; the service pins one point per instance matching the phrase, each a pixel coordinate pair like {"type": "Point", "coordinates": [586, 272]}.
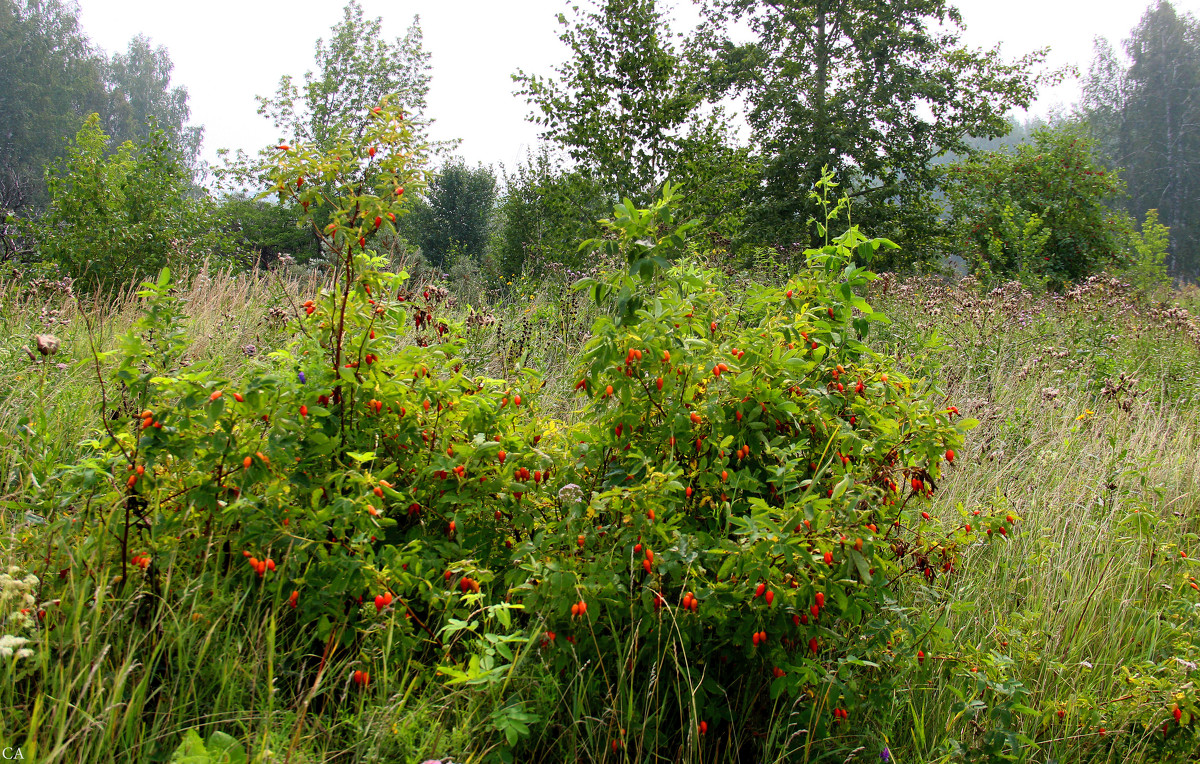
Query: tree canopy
{"type": "Point", "coordinates": [618, 106]}
{"type": "Point", "coordinates": [355, 68]}
{"type": "Point", "coordinates": [455, 214]}
{"type": "Point", "coordinates": [1039, 209]}
{"type": "Point", "coordinates": [1146, 115]}
{"type": "Point", "coordinates": [50, 79]}
{"type": "Point", "coordinates": [873, 91]}
{"type": "Point", "coordinates": [544, 211]}
{"type": "Point", "coordinates": [142, 99]}
{"type": "Point", "coordinates": [115, 217]}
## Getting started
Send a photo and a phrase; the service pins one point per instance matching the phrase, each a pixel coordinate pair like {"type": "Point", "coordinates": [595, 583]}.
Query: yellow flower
{"type": "Point", "coordinates": [1086, 413]}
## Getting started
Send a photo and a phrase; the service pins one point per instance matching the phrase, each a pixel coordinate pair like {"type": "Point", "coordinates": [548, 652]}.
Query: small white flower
{"type": "Point", "coordinates": [10, 644]}
{"type": "Point", "coordinates": [570, 494]}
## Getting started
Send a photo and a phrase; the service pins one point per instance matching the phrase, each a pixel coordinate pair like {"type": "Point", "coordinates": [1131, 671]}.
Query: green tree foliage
{"type": "Point", "coordinates": [356, 66]}
{"type": "Point", "coordinates": [267, 229]}
{"type": "Point", "coordinates": [1039, 209]}
{"type": "Point", "coordinates": [50, 79]}
{"type": "Point", "coordinates": [1146, 115]}
{"type": "Point", "coordinates": [1148, 270]}
{"type": "Point", "coordinates": [139, 84]}
{"type": "Point", "coordinates": [1103, 101]}
{"type": "Point", "coordinates": [455, 214]}
{"type": "Point", "coordinates": [874, 91]}
{"type": "Point", "coordinates": [544, 212]}
{"type": "Point", "coordinates": [113, 218]}
{"type": "Point", "coordinates": [619, 104]}
{"type": "Point", "coordinates": [716, 176]}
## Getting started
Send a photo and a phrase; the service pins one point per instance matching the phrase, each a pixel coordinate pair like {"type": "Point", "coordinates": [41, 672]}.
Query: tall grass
{"type": "Point", "coordinates": [1088, 603]}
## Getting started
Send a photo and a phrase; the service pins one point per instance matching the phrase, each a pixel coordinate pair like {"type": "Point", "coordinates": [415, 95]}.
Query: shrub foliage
{"type": "Point", "coordinates": [742, 494]}
{"type": "Point", "coordinates": [1039, 210]}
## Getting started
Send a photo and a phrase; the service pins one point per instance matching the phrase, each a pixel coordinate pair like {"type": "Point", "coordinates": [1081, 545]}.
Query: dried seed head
{"type": "Point", "coordinates": [47, 344]}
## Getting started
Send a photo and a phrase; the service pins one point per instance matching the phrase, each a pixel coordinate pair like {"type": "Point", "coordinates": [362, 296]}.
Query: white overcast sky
{"type": "Point", "coordinates": [228, 51]}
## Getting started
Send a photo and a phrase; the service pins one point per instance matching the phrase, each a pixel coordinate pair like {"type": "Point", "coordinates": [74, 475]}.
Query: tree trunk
{"type": "Point", "coordinates": [821, 118]}
{"type": "Point", "coordinates": [1173, 171]}
{"type": "Point", "coordinates": [820, 108]}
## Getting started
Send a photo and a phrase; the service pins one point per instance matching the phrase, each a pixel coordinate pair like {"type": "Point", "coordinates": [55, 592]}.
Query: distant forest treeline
{"type": "Point", "coordinates": [52, 77]}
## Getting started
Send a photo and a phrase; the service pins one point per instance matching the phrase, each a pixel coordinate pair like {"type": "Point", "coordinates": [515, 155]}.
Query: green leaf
{"type": "Point", "coordinates": [842, 485]}
{"type": "Point", "coordinates": [778, 687]}
{"type": "Point", "coordinates": [225, 749]}
{"type": "Point", "coordinates": [191, 750]}
{"type": "Point", "coordinates": [864, 568]}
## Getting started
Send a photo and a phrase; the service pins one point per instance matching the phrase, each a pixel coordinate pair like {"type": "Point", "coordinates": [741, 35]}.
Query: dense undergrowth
{"type": "Point", "coordinates": [1088, 437]}
{"type": "Point", "coordinates": [681, 512]}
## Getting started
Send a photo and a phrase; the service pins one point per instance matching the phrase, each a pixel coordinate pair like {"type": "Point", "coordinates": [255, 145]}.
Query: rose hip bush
{"type": "Point", "coordinates": [743, 496]}
{"type": "Point", "coordinates": [746, 490]}
{"type": "Point", "coordinates": [348, 477]}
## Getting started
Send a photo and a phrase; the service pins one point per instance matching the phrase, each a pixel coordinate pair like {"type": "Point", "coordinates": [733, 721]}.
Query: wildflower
{"type": "Point", "coordinates": [10, 645]}
{"type": "Point", "coordinates": [47, 344]}
{"type": "Point", "coordinates": [300, 375]}
{"type": "Point", "coordinates": [19, 589]}
{"type": "Point", "coordinates": [570, 494]}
